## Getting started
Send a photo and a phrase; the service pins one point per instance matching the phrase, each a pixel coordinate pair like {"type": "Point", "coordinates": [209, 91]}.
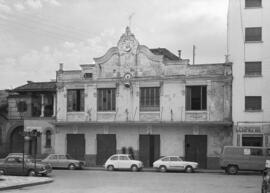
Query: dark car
{"type": "Point", "coordinates": [14, 165]}
{"type": "Point", "coordinates": [266, 181]}
{"type": "Point", "coordinates": [63, 161]}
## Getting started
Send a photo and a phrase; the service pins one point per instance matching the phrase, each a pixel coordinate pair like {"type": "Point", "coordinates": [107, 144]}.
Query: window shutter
{"type": "Point", "coordinates": [253, 3]}
{"type": "Point", "coordinates": [253, 68]}
{"type": "Point", "coordinates": [253, 102]}
{"type": "Point", "coordinates": [188, 98]}
{"type": "Point", "coordinates": [253, 34]}
{"type": "Point", "coordinates": [82, 100]}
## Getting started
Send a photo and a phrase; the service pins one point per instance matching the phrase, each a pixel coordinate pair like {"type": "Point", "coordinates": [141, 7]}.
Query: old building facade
{"type": "Point", "coordinates": [31, 107]}
{"type": "Point", "coordinates": [148, 102]}
{"type": "Point", "coordinates": [248, 50]}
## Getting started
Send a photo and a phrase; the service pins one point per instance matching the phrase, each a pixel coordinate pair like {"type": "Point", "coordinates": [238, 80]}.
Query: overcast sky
{"type": "Point", "coordinates": [37, 35]}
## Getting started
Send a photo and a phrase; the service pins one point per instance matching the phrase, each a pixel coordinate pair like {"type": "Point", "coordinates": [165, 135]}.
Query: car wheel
{"type": "Point", "coordinates": [2, 172]}
{"type": "Point", "coordinates": [31, 173]}
{"type": "Point", "coordinates": [162, 169]}
{"type": "Point", "coordinates": [189, 169]}
{"type": "Point", "coordinates": [134, 168]}
{"type": "Point", "coordinates": [232, 170]}
{"type": "Point", "coordinates": [110, 168]}
{"type": "Point", "coordinates": [71, 167]}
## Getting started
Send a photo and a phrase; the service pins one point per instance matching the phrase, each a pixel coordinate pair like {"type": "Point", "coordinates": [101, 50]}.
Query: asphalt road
{"type": "Point", "coordinates": [89, 181]}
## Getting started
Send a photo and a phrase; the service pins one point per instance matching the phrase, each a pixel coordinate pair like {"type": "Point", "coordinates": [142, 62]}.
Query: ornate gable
{"type": "Point", "coordinates": [129, 57]}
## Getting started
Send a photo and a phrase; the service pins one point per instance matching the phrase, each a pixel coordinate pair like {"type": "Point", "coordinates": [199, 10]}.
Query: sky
{"type": "Point", "coordinates": [37, 35]}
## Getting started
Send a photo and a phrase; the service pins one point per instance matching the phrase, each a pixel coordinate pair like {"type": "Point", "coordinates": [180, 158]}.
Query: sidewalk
{"type": "Point", "coordinates": [14, 182]}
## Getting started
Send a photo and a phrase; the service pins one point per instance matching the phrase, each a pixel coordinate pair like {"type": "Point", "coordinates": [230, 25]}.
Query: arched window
{"type": "Point", "coordinates": [48, 139]}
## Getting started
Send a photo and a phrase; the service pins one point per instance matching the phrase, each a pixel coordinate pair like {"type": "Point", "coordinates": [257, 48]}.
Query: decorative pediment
{"type": "Point", "coordinates": [127, 43]}
{"type": "Point", "coordinates": [112, 51]}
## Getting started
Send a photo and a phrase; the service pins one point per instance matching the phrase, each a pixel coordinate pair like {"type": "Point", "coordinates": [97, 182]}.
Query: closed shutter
{"type": "Point", "coordinates": [253, 34]}
{"type": "Point", "coordinates": [69, 100]}
{"type": "Point", "coordinates": [253, 68]}
{"type": "Point", "coordinates": [253, 102]}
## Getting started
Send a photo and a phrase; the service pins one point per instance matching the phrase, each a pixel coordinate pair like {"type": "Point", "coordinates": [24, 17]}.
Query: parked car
{"type": "Point", "coordinates": [14, 165]}
{"type": "Point", "coordinates": [266, 181]}
{"type": "Point", "coordinates": [63, 161]}
{"type": "Point", "coordinates": [124, 162]}
{"type": "Point", "coordinates": [174, 163]}
{"type": "Point", "coordinates": [234, 159]}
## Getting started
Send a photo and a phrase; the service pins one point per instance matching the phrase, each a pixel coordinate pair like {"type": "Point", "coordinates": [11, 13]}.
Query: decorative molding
{"type": "Point", "coordinates": [146, 51]}
{"type": "Point", "coordinates": [112, 51]}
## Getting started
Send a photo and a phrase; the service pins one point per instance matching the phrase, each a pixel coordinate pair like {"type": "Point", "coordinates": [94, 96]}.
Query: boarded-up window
{"type": "Point", "coordinates": [253, 103]}
{"type": "Point", "coordinates": [253, 34]}
{"type": "Point", "coordinates": [149, 99]}
{"type": "Point", "coordinates": [253, 3]}
{"type": "Point", "coordinates": [253, 68]}
{"type": "Point", "coordinates": [106, 99]}
{"type": "Point", "coordinates": [75, 100]}
{"type": "Point", "coordinates": [196, 97]}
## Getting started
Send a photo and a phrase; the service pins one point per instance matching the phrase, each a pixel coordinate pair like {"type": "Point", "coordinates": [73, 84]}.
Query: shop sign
{"type": "Point", "coordinates": [248, 130]}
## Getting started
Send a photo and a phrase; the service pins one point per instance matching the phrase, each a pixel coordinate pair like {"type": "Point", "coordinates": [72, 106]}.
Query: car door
{"type": "Point", "coordinates": [62, 161]}
{"type": "Point", "coordinates": [114, 161]}
{"type": "Point", "coordinates": [124, 162]}
{"type": "Point", "coordinates": [14, 166]}
{"type": "Point", "coordinates": [175, 163]}
{"type": "Point", "coordinates": [52, 159]}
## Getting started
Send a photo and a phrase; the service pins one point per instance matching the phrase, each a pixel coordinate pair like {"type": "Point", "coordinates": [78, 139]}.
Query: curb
{"type": "Point", "coordinates": [25, 185]}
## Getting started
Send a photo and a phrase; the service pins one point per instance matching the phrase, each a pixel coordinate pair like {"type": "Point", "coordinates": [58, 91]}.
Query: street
{"type": "Point", "coordinates": [82, 181]}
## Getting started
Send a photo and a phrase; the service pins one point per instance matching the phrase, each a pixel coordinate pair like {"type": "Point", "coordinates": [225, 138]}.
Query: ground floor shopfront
{"type": "Point", "coordinates": [251, 134]}
{"type": "Point", "coordinates": [95, 142]}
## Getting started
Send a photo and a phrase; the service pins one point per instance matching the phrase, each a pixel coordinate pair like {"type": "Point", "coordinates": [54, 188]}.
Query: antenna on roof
{"type": "Point", "coordinates": [194, 53]}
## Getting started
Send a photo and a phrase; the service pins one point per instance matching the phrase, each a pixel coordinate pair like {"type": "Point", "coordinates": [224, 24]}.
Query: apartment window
{"type": "Point", "coordinates": [106, 99]}
{"type": "Point", "coordinates": [196, 98]}
{"type": "Point", "coordinates": [149, 99]}
{"type": "Point", "coordinates": [48, 140]}
{"type": "Point", "coordinates": [253, 3]}
{"type": "Point", "coordinates": [253, 103]}
{"type": "Point", "coordinates": [75, 100]}
{"type": "Point", "coordinates": [253, 68]}
{"type": "Point", "coordinates": [253, 34]}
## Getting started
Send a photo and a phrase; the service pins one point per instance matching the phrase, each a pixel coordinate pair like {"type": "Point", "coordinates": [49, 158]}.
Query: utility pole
{"type": "Point", "coordinates": [194, 53]}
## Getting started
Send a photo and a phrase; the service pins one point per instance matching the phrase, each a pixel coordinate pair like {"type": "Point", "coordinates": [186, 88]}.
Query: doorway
{"type": "Point", "coordinates": [149, 149]}
{"type": "Point", "coordinates": [196, 149]}
{"type": "Point", "coordinates": [106, 146]}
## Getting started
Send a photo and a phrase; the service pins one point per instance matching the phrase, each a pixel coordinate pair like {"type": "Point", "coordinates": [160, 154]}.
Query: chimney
{"type": "Point", "coordinates": [179, 54]}
{"type": "Point", "coordinates": [61, 66]}
{"type": "Point", "coordinates": [29, 81]}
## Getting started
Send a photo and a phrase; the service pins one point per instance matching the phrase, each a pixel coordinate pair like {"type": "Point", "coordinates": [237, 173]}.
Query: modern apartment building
{"type": "Point", "coordinates": [249, 51]}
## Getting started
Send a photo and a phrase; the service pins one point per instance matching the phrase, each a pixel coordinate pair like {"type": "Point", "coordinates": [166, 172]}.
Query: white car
{"type": "Point", "coordinates": [123, 161]}
{"type": "Point", "coordinates": [174, 163]}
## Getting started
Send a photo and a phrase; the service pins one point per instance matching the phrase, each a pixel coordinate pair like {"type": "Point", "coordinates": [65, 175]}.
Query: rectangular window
{"type": "Point", "coordinates": [75, 100]}
{"type": "Point", "coordinates": [253, 34]}
{"type": "Point", "coordinates": [253, 103]}
{"type": "Point", "coordinates": [196, 98]}
{"type": "Point", "coordinates": [149, 98]}
{"type": "Point", "coordinates": [106, 99]}
{"type": "Point", "coordinates": [253, 3]}
{"type": "Point", "coordinates": [253, 68]}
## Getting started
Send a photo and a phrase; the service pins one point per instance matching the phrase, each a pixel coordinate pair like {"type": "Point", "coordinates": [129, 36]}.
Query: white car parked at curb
{"type": "Point", "coordinates": [174, 163]}
{"type": "Point", "coordinates": [123, 161]}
